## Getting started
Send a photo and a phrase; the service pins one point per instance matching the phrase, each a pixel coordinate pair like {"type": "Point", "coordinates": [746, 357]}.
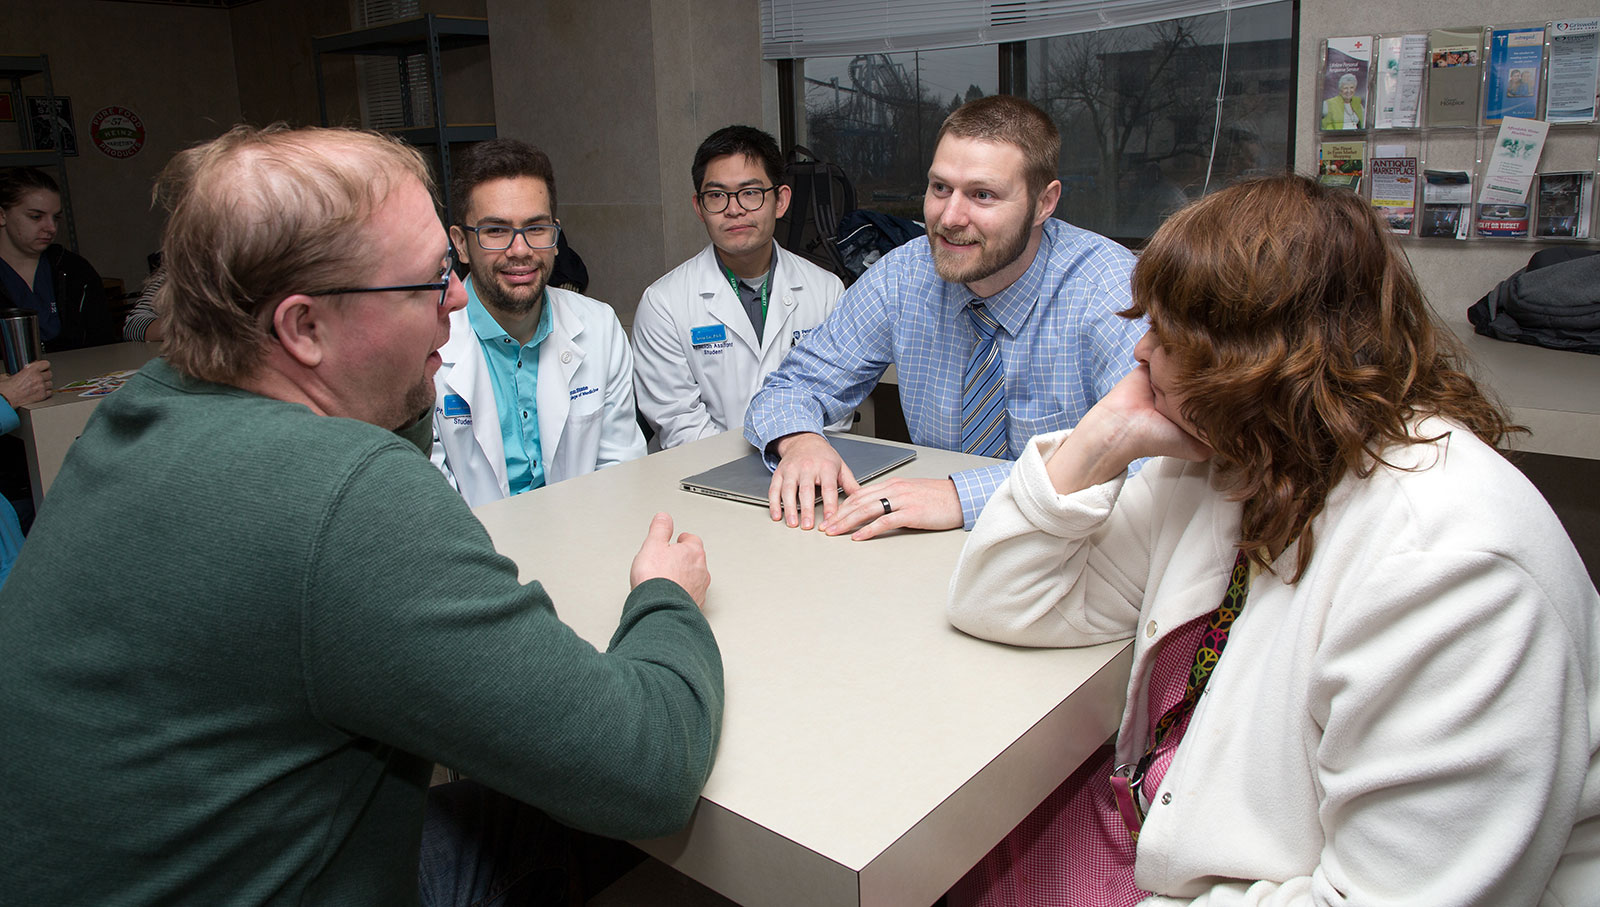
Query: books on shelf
{"type": "Point", "coordinates": [1453, 76]}
{"type": "Point", "coordinates": [1566, 203]}
{"type": "Point", "coordinates": [1397, 92]}
{"type": "Point", "coordinates": [1343, 100]}
{"type": "Point", "coordinates": [1394, 191]}
{"type": "Point", "coordinates": [1342, 164]}
{"type": "Point", "coordinates": [1574, 75]}
{"type": "Point", "coordinates": [1446, 199]}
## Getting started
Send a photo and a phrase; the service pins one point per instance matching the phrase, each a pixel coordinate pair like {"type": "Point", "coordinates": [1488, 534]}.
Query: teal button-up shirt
{"type": "Point", "coordinates": [514, 372]}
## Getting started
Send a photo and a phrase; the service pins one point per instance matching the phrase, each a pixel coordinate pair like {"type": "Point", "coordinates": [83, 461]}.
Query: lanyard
{"type": "Point", "coordinates": [766, 285]}
{"type": "Point", "coordinates": [1126, 780]}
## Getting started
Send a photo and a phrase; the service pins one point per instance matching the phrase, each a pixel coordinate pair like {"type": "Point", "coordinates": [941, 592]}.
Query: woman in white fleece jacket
{"type": "Point", "coordinates": [1406, 706]}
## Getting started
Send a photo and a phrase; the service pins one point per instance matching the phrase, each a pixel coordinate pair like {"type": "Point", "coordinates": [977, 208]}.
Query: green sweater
{"type": "Point", "coordinates": [240, 634]}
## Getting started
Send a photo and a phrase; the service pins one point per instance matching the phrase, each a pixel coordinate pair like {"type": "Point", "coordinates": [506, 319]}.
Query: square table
{"type": "Point", "coordinates": [50, 426]}
{"type": "Point", "coordinates": [870, 752]}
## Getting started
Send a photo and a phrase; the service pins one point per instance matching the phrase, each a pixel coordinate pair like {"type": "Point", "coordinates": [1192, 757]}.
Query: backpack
{"type": "Point", "coordinates": [819, 193]}
{"type": "Point", "coordinates": [1551, 303]}
{"type": "Point", "coordinates": [866, 236]}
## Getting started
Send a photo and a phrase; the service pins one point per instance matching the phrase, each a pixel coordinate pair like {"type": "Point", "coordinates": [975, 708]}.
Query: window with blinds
{"type": "Point", "coordinates": [1153, 112]}
{"type": "Point", "coordinates": [393, 91]}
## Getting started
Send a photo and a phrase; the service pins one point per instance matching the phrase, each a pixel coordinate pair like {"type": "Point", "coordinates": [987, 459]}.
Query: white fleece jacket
{"type": "Point", "coordinates": [1415, 721]}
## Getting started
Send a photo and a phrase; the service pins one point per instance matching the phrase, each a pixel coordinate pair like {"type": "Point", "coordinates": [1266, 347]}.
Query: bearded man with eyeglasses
{"type": "Point", "coordinates": [708, 333]}
{"type": "Point", "coordinates": [537, 382]}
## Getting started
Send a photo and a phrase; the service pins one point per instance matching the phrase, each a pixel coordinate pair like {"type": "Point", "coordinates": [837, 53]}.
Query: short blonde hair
{"type": "Point", "coordinates": [258, 215]}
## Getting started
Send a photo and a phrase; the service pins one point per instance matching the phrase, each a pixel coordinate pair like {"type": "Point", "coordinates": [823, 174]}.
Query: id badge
{"type": "Point", "coordinates": [1127, 800]}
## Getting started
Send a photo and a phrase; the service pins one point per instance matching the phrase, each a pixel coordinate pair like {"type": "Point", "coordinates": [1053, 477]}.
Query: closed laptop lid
{"type": "Point", "coordinates": [747, 478]}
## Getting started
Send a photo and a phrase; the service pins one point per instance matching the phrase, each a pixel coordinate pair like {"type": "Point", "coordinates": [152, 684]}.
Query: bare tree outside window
{"type": "Point", "coordinates": [1137, 109]}
{"type": "Point", "coordinates": [876, 116]}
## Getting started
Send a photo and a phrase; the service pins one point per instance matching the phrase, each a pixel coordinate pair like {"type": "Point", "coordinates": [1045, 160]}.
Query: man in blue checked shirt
{"type": "Point", "coordinates": [1002, 327]}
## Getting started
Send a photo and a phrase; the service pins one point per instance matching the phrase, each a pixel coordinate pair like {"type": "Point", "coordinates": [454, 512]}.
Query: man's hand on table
{"type": "Point", "coordinates": [809, 462]}
{"type": "Point", "coordinates": [682, 561]}
{"type": "Point", "coordinates": [913, 504]}
{"type": "Point", "coordinates": [806, 463]}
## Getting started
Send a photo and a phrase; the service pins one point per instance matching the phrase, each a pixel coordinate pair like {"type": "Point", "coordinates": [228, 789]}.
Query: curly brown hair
{"type": "Point", "coordinates": [1303, 344]}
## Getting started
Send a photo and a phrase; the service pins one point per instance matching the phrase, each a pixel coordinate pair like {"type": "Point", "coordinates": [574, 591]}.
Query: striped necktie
{"type": "Point", "coordinates": [983, 391]}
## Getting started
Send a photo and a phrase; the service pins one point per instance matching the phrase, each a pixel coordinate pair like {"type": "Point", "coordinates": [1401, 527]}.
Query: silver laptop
{"type": "Point", "coordinates": [747, 479]}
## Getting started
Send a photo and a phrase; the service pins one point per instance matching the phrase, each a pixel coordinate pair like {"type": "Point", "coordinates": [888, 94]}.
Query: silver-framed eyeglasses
{"type": "Point", "coordinates": [442, 284]}
{"type": "Point", "coordinates": [499, 237]}
{"type": "Point", "coordinates": [751, 198]}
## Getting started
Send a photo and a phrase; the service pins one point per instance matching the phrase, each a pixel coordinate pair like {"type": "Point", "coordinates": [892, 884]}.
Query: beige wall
{"type": "Point", "coordinates": [1455, 275]}
{"type": "Point", "coordinates": [276, 69]}
{"type": "Point", "coordinates": [619, 93]}
{"type": "Point", "coordinates": [173, 66]}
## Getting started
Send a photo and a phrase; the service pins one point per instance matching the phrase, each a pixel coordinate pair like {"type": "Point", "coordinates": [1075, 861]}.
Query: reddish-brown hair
{"type": "Point", "coordinates": [1303, 344]}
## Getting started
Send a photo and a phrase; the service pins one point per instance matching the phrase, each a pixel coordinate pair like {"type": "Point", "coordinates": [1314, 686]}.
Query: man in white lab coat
{"type": "Point", "coordinates": [537, 382]}
{"type": "Point", "coordinates": [708, 332]}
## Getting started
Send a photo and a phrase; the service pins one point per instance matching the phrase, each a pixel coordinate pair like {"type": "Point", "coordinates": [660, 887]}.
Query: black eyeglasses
{"type": "Point", "coordinates": [443, 285]}
{"type": "Point", "coordinates": [751, 198]}
{"type": "Point", "coordinates": [497, 237]}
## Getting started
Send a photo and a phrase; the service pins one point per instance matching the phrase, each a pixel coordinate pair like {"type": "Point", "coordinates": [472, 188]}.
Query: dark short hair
{"type": "Point", "coordinates": [746, 140]}
{"type": "Point", "coordinates": [15, 181]}
{"type": "Point", "coordinates": [498, 159]}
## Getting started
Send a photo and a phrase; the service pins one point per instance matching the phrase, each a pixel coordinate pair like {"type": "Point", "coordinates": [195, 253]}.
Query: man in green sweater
{"type": "Point", "coordinates": [251, 617]}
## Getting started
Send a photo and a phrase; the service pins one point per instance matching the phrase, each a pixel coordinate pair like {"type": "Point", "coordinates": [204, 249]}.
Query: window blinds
{"type": "Point", "coordinates": [826, 28]}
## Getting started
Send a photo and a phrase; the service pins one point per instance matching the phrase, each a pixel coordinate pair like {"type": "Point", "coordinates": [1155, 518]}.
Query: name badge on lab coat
{"type": "Point", "coordinates": [455, 406]}
{"type": "Point", "coordinates": [711, 333]}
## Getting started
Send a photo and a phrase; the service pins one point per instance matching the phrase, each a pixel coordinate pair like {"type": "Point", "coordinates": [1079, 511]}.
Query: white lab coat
{"type": "Point", "coordinates": [688, 391]}
{"type": "Point", "coordinates": [585, 399]}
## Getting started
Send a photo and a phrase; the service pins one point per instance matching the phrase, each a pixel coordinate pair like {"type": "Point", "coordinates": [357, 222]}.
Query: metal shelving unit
{"type": "Point", "coordinates": [429, 36]}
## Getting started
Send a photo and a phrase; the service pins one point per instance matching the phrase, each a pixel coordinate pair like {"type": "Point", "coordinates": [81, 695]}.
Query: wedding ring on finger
{"type": "Point", "coordinates": [886, 508]}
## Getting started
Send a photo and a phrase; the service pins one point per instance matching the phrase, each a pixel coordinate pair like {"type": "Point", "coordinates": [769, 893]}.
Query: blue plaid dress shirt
{"type": "Point", "coordinates": [1062, 344]}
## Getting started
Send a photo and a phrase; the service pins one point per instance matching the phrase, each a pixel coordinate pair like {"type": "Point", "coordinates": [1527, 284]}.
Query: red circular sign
{"type": "Point", "coordinates": [117, 132]}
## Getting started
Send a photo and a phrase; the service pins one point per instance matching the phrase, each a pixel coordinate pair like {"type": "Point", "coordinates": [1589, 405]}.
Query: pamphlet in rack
{"type": "Point", "coordinates": [1394, 191]}
{"type": "Point", "coordinates": [1345, 84]}
{"type": "Point", "coordinates": [1453, 76]}
{"type": "Point", "coordinates": [1574, 71]}
{"type": "Point", "coordinates": [1507, 181]}
{"type": "Point", "coordinates": [1446, 199]}
{"type": "Point", "coordinates": [1342, 164]}
{"type": "Point", "coordinates": [1566, 202]}
{"type": "Point", "coordinates": [1398, 86]}
{"type": "Point", "coordinates": [1515, 55]}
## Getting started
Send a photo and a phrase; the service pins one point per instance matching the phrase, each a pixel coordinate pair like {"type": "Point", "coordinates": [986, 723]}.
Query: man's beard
{"type": "Point", "coordinates": [496, 297]}
{"type": "Point", "coordinates": [995, 253]}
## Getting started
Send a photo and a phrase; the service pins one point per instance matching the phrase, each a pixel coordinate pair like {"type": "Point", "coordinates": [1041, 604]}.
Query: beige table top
{"type": "Point", "coordinates": [1555, 393]}
{"type": "Point", "coordinates": [92, 362]}
{"type": "Point", "coordinates": [50, 426]}
{"type": "Point", "coordinates": [870, 753]}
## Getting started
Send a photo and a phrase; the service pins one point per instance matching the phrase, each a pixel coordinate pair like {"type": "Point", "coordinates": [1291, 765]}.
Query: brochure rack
{"type": "Point", "coordinates": [1400, 114]}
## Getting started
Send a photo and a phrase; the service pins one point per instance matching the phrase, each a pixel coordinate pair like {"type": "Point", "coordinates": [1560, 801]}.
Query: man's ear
{"type": "Point", "coordinates": [1048, 199]}
{"type": "Point", "coordinates": [783, 199]}
{"type": "Point", "coordinates": [298, 324]}
{"type": "Point", "coordinates": [458, 238]}
{"type": "Point", "coordinates": [698, 212]}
